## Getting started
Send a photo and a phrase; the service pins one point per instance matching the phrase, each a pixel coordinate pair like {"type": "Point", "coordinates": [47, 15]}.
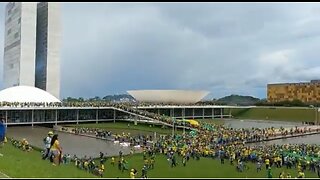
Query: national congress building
{"type": "Point", "coordinates": [32, 46]}
{"type": "Point", "coordinates": [307, 92]}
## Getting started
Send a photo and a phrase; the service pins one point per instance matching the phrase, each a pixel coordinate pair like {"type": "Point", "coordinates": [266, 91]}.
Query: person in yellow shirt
{"type": "Point", "coordinates": [132, 173]}
{"type": "Point", "coordinates": [301, 174]}
{"type": "Point", "coordinates": [56, 150]}
{"type": "Point", "coordinates": [267, 162]}
{"type": "Point", "coordinates": [288, 175]}
{"type": "Point", "coordinates": [112, 161]}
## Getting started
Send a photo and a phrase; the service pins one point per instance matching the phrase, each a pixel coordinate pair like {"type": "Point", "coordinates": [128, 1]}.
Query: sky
{"type": "Point", "coordinates": [225, 48]}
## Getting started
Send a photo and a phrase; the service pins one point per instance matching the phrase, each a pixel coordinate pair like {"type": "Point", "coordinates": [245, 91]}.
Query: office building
{"type": "Point", "coordinates": [307, 92]}
{"type": "Point", "coordinates": [32, 46]}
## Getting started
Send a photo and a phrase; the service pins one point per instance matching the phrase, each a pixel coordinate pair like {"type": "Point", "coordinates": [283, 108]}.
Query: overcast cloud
{"type": "Point", "coordinates": [226, 48]}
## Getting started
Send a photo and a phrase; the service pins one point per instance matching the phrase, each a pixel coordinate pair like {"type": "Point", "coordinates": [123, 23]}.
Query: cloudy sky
{"type": "Point", "coordinates": [226, 48]}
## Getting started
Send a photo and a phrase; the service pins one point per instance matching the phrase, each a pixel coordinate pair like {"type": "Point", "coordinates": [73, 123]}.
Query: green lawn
{"type": "Point", "coordinates": [3, 175]}
{"type": "Point", "coordinates": [119, 127]}
{"type": "Point", "coordinates": [16, 163]}
{"type": "Point", "coordinates": [277, 114]}
{"type": "Point", "coordinates": [205, 168]}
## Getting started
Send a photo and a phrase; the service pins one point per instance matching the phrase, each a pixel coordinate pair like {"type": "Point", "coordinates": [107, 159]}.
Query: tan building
{"type": "Point", "coordinates": [307, 92]}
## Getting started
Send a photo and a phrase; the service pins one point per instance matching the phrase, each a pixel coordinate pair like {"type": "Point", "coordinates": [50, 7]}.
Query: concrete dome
{"type": "Point", "coordinates": [168, 96]}
{"type": "Point", "coordinates": [26, 94]}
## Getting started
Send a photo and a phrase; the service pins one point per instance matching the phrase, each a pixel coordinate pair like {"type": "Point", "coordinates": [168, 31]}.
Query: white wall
{"type": "Point", "coordinates": [28, 43]}
{"type": "Point", "coordinates": [54, 44]}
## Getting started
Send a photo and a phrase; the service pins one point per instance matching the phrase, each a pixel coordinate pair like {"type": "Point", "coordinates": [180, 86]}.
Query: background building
{"type": "Point", "coordinates": [32, 42]}
{"type": "Point", "coordinates": [47, 74]}
{"type": "Point", "coordinates": [307, 92]}
{"type": "Point", "coordinates": [19, 44]}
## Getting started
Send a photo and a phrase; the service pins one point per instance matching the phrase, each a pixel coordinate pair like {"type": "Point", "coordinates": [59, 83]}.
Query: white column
{"type": "Point", "coordinates": [192, 113]}
{"type": "Point", "coordinates": [221, 114]}
{"type": "Point", "coordinates": [183, 117]}
{"type": "Point", "coordinates": [32, 116]}
{"type": "Point", "coordinates": [212, 112]}
{"type": "Point", "coordinates": [56, 117]}
{"type": "Point", "coordinates": [6, 118]}
{"type": "Point", "coordinates": [135, 119]}
{"type": "Point", "coordinates": [77, 116]}
{"type": "Point", "coordinates": [97, 115]}
{"type": "Point", "coordinates": [159, 111]}
{"type": "Point", "coordinates": [202, 113]}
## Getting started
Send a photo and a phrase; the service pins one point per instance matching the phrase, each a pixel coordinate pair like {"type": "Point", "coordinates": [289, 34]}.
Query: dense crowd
{"type": "Point", "coordinates": [23, 144]}
{"type": "Point", "coordinates": [92, 104]}
{"type": "Point", "coordinates": [140, 139]}
{"type": "Point", "coordinates": [228, 144]}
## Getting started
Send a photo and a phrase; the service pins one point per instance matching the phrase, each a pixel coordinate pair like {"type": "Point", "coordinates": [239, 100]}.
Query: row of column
{"type": "Point", "coordinates": [193, 116]}
{"type": "Point", "coordinates": [56, 117]}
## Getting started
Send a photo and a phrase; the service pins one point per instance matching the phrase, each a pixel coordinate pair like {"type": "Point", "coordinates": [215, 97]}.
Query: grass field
{"type": "Point", "coordinates": [278, 114]}
{"type": "Point", "coordinates": [120, 127]}
{"type": "Point", "coordinates": [16, 163]}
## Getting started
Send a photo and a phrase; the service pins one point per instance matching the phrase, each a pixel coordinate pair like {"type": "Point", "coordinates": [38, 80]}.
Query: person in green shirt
{"type": "Point", "coordinates": [269, 173]}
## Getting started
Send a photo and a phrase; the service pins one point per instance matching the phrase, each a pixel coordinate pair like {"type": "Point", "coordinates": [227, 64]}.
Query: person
{"type": "Point", "coordinates": [288, 175]}
{"type": "Point", "coordinates": [56, 150]}
{"type": "Point", "coordinates": [301, 174]}
{"type": "Point", "coordinates": [184, 161]}
{"type": "Point", "coordinates": [281, 175]}
{"type": "Point", "coordinates": [25, 145]}
{"type": "Point", "coordinates": [259, 166]}
{"type": "Point", "coordinates": [267, 162]}
{"type": "Point", "coordinates": [173, 161]}
{"type": "Point", "coordinates": [144, 172]}
{"type": "Point", "coordinates": [269, 173]}
{"type": "Point", "coordinates": [47, 144]}
{"type": "Point", "coordinates": [132, 173]}
{"type": "Point", "coordinates": [2, 132]}
{"type": "Point", "coordinates": [112, 161]}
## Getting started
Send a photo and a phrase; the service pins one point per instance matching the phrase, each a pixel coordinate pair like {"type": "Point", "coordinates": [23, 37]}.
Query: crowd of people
{"type": "Point", "coordinates": [229, 144]}
{"type": "Point", "coordinates": [139, 139]}
{"type": "Point", "coordinates": [100, 103]}
{"type": "Point", "coordinates": [23, 144]}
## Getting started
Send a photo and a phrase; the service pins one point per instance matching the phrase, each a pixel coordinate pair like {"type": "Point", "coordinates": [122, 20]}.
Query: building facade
{"type": "Point", "coordinates": [307, 92]}
{"type": "Point", "coordinates": [19, 44]}
{"type": "Point", "coordinates": [32, 42]}
{"type": "Point", "coordinates": [47, 72]}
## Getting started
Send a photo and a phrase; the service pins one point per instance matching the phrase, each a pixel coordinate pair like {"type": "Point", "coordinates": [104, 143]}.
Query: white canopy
{"type": "Point", "coordinates": [26, 94]}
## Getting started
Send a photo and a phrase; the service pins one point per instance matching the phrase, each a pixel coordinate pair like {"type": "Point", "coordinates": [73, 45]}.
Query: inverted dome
{"type": "Point", "coordinates": [168, 96]}
{"type": "Point", "coordinates": [26, 94]}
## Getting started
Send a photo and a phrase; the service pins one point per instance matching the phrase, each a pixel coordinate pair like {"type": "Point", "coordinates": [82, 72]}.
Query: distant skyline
{"type": "Point", "coordinates": [225, 48]}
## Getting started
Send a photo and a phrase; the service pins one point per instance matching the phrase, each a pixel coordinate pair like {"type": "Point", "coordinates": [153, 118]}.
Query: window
{"type": "Point", "coordinates": [9, 31]}
{"type": "Point", "coordinates": [19, 21]}
{"type": "Point", "coordinates": [16, 35]}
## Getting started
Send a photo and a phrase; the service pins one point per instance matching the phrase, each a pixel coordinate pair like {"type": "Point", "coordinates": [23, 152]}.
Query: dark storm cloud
{"type": "Point", "coordinates": [221, 47]}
